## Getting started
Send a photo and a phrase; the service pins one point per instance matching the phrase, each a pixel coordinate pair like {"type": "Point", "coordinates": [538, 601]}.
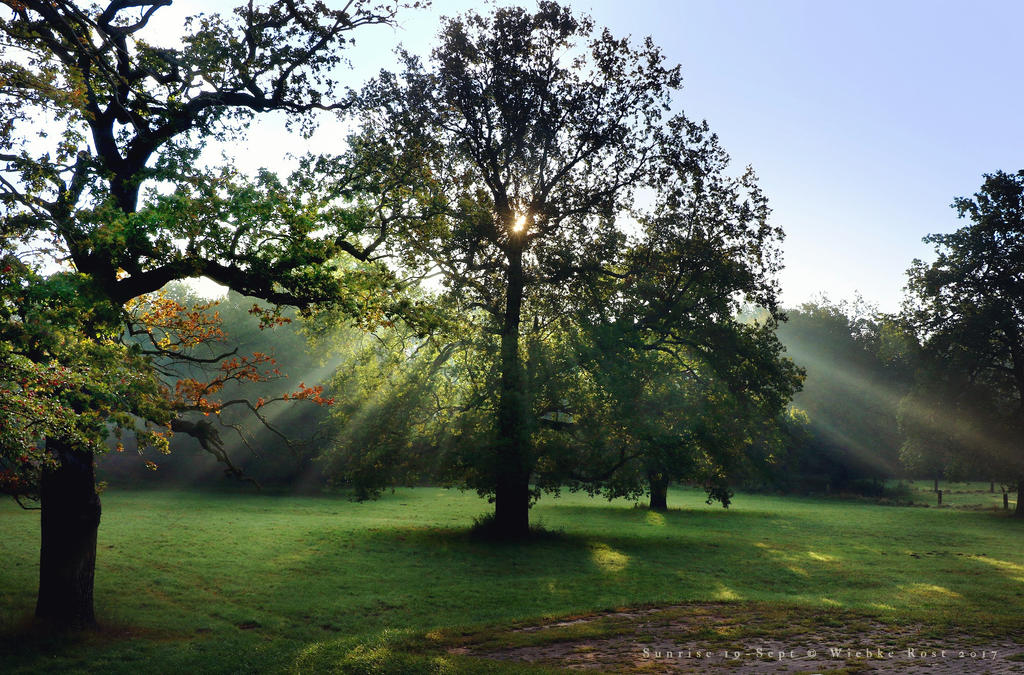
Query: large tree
{"type": "Point", "coordinates": [532, 131]}
{"type": "Point", "coordinates": [508, 167]}
{"type": "Point", "coordinates": [105, 199]}
{"type": "Point", "coordinates": [967, 309]}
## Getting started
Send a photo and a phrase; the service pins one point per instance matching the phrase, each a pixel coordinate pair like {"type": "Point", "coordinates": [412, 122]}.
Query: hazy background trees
{"type": "Point", "coordinates": [275, 449]}
{"type": "Point", "coordinates": [858, 371]}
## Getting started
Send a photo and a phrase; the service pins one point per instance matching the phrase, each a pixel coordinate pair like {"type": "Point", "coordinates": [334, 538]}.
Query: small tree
{"type": "Point", "coordinates": [693, 387]}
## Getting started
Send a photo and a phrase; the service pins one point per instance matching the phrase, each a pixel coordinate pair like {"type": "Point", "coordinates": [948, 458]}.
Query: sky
{"type": "Point", "coordinates": [863, 120]}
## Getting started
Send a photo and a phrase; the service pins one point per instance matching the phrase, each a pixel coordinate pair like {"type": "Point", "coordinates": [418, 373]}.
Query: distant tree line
{"type": "Point", "coordinates": [935, 391]}
{"type": "Point", "coordinates": [925, 393]}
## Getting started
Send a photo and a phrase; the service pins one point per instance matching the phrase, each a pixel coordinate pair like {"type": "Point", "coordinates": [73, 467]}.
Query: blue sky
{"type": "Point", "coordinates": [863, 119]}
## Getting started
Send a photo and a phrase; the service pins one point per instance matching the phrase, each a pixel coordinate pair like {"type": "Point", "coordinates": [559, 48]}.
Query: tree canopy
{"type": "Point", "coordinates": [508, 167]}
{"type": "Point", "coordinates": [967, 310]}
{"type": "Point", "coordinates": [109, 200]}
{"type": "Point", "coordinates": [525, 139]}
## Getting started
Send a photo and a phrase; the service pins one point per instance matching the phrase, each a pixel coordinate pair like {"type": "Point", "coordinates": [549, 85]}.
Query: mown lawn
{"type": "Point", "coordinates": [972, 495]}
{"type": "Point", "coordinates": [190, 582]}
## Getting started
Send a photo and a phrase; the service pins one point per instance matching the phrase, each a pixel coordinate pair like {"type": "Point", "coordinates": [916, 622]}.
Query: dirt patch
{"type": "Point", "coordinates": [721, 638]}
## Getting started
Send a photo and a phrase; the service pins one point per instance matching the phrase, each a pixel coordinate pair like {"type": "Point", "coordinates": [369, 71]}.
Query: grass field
{"type": "Point", "coordinates": [190, 582]}
{"type": "Point", "coordinates": [961, 495]}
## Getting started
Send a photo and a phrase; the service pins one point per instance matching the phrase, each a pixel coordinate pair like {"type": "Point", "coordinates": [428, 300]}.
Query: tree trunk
{"type": "Point", "coordinates": [512, 507]}
{"type": "Point", "coordinates": [512, 481]}
{"type": "Point", "coordinates": [1019, 510]}
{"type": "Point", "coordinates": [935, 488]}
{"type": "Point", "coordinates": [659, 491]}
{"type": "Point", "coordinates": [69, 520]}
{"type": "Point", "coordinates": [992, 486]}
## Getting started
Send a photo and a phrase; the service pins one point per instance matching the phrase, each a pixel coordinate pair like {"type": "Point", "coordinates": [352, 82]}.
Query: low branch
{"type": "Point", "coordinates": [210, 440]}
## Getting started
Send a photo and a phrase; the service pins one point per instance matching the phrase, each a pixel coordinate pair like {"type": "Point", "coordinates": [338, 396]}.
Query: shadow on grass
{"type": "Point", "coordinates": [320, 587]}
{"type": "Point", "coordinates": [24, 642]}
{"type": "Point", "coordinates": [633, 513]}
{"type": "Point", "coordinates": [600, 557]}
{"type": "Point", "coordinates": [485, 529]}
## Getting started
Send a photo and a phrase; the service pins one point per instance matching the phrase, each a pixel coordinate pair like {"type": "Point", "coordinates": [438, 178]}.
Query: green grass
{"type": "Point", "coordinates": [190, 582]}
{"type": "Point", "coordinates": [971, 495]}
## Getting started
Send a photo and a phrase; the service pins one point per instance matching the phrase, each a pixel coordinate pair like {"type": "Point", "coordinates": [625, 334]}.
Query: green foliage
{"type": "Point", "coordinates": [859, 366]}
{"type": "Point", "coordinates": [967, 311]}
{"type": "Point", "coordinates": [509, 171]}
{"type": "Point", "coordinates": [691, 389]}
{"type": "Point", "coordinates": [65, 374]}
{"type": "Point", "coordinates": [111, 201]}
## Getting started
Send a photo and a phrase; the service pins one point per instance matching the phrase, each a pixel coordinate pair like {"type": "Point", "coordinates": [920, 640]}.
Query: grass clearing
{"type": "Point", "coordinates": [190, 582]}
{"type": "Point", "coordinates": [966, 495]}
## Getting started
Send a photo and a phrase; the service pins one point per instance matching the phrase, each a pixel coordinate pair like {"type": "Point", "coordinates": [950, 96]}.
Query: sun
{"type": "Point", "coordinates": [520, 224]}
